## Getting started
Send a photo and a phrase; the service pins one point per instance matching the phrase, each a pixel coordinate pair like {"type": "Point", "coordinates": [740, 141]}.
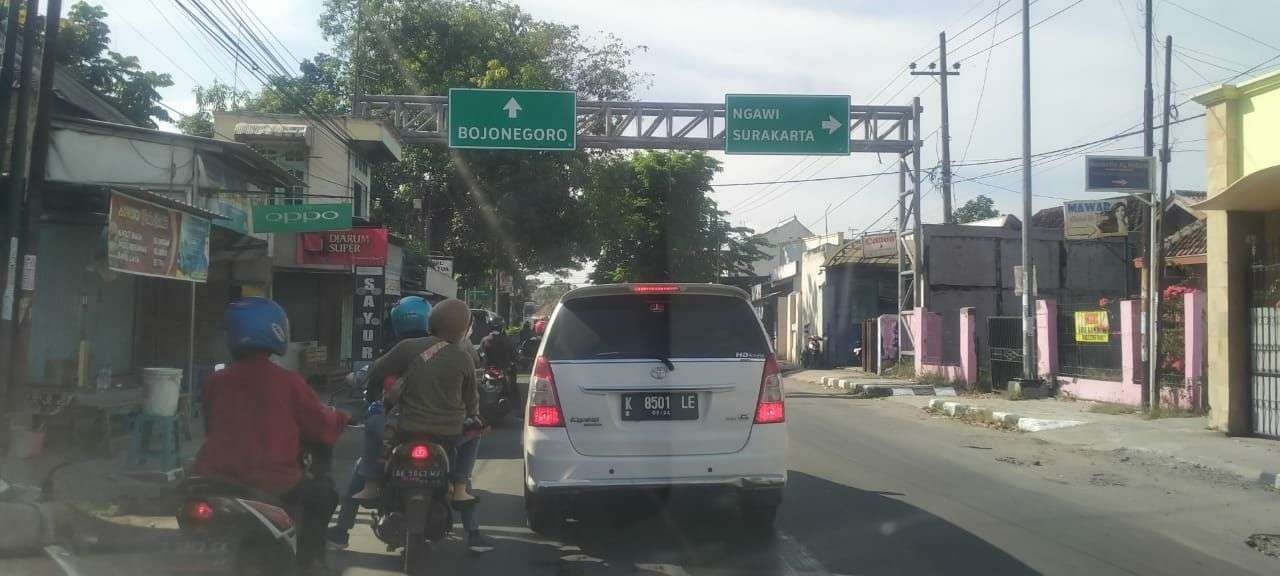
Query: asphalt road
{"type": "Point", "coordinates": [880, 488]}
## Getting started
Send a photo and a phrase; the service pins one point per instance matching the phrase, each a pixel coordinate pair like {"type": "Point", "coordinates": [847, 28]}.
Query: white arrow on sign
{"type": "Point", "coordinates": [1120, 182]}
{"type": "Point", "coordinates": [512, 107]}
{"type": "Point", "coordinates": [831, 124]}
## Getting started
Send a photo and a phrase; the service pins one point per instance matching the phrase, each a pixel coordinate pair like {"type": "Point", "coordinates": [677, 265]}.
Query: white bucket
{"type": "Point", "coordinates": [25, 442]}
{"type": "Point", "coordinates": [163, 385]}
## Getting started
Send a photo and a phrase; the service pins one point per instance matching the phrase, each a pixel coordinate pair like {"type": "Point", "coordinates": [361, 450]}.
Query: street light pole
{"type": "Point", "coordinates": [1028, 316]}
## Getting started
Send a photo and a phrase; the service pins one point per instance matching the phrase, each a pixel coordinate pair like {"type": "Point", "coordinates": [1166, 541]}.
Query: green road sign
{"type": "Point", "coordinates": [512, 119]}
{"type": "Point", "coordinates": [301, 217]}
{"type": "Point", "coordinates": [783, 124]}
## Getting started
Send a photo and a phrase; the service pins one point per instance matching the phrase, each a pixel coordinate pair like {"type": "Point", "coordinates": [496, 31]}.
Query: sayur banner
{"type": "Point", "coordinates": [1092, 326]}
{"type": "Point", "coordinates": [151, 240]}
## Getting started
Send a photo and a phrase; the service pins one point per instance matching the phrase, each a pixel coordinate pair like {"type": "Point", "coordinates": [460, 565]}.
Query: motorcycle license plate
{"type": "Point", "coordinates": [417, 475]}
{"type": "Point", "coordinates": [660, 406]}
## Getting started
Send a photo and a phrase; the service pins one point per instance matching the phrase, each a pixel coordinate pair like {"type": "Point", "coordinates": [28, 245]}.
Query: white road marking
{"type": "Point", "coordinates": [796, 559]}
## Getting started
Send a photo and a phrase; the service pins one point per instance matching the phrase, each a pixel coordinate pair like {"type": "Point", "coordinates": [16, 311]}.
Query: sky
{"type": "Point", "coordinates": [1087, 81]}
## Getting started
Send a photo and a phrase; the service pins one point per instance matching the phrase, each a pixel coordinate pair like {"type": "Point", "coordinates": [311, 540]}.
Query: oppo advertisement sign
{"type": "Point", "coordinates": [301, 217]}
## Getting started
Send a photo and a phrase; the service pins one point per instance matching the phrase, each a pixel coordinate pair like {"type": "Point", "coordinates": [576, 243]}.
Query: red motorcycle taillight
{"type": "Point", "coordinates": [199, 511]}
{"type": "Point", "coordinates": [419, 452]}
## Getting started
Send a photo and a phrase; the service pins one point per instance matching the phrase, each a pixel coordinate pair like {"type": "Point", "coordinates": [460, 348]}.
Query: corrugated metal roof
{"type": "Point", "coordinates": [851, 253]}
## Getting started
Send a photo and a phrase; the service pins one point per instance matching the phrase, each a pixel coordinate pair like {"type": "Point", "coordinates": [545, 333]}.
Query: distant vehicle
{"type": "Point", "coordinates": [530, 308]}
{"type": "Point", "coordinates": [481, 319]}
{"type": "Point", "coordinates": [641, 386]}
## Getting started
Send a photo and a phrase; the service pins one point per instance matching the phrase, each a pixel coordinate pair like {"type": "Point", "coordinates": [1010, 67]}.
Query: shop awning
{"type": "Point", "coordinates": [1256, 192]}
{"type": "Point", "coordinates": [169, 202]}
{"type": "Point", "coordinates": [248, 131]}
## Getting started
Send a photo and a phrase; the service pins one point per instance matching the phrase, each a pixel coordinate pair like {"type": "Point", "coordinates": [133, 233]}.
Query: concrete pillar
{"type": "Point", "coordinates": [1227, 330]}
{"type": "Point", "coordinates": [1047, 338]}
{"type": "Point", "coordinates": [1194, 343]}
{"type": "Point", "coordinates": [918, 338]}
{"type": "Point", "coordinates": [1130, 341]}
{"type": "Point", "coordinates": [888, 325]}
{"type": "Point", "coordinates": [969, 345]}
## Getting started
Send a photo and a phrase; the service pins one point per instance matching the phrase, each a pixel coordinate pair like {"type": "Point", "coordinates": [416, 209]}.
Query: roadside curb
{"type": "Point", "coordinates": [1009, 420]}
{"type": "Point", "coordinates": [855, 386]}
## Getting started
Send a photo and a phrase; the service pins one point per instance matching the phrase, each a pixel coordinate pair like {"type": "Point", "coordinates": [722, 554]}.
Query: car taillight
{"type": "Point", "coordinates": [493, 372]}
{"type": "Point", "coordinates": [419, 452]}
{"type": "Point", "coordinates": [198, 511]}
{"type": "Point", "coordinates": [655, 288]}
{"type": "Point", "coordinates": [544, 405]}
{"type": "Point", "coordinates": [772, 408]}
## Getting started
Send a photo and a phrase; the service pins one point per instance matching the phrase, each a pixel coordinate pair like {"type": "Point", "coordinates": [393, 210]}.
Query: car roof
{"type": "Point", "coordinates": [683, 288]}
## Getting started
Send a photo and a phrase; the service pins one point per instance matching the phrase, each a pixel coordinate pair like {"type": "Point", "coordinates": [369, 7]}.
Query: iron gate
{"type": "Point", "coordinates": [1004, 340]}
{"type": "Point", "coordinates": [1264, 349]}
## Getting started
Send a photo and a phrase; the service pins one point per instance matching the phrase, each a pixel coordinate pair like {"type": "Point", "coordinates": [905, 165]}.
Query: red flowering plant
{"type": "Point", "coordinates": [1172, 328]}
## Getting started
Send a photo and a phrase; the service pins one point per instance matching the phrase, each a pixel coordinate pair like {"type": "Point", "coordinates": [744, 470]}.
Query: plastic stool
{"type": "Point", "coordinates": [140, 444]}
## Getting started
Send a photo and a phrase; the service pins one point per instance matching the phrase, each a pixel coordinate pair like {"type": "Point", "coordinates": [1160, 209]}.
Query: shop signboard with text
{"type": "Point", "coordinates": [356, 247]}
{"type": "Point", "coordinates": [148, 239]}
{"type": "Point", "coordinates": [1092, 326]}
{"type": "Point", "coordinates": [301, 217]}
{"type": "Point", "coordinates": [366, 324]}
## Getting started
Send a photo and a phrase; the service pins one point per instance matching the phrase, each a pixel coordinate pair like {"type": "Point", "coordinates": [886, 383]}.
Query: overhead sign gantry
{"type": "Point", "coordinates": [742, 124]}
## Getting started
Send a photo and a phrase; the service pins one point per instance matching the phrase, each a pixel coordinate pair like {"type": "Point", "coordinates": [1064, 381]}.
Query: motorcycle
{"type": "Point", "coordinates": [413, 509]}
{"type": "Point", "coordinates": [812, 353]}
{"type": "Point", "coordinates": [529, 351]}
{"type": "Point", "coordinates": [253, 526]}
{"type": "Point", "coordinates": [496, 397]}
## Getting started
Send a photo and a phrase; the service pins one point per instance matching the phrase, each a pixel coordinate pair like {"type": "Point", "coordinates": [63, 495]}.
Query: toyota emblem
{"type": "Point", "coordinates": [658, 372]}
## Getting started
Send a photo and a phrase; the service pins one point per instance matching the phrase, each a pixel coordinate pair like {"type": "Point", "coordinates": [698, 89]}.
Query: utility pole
{"type": "Point", "coordinates": [1157, 234]}
{"type": "Point", "coordinates": [942, 72]}
{"type": "Point", "coordinates": [17, 192]}
{"type": "Point", "coordinates": [13, 205]}
{"type": "Point", "coordinates": [35, 188]}
{"type": "Point", "coordinates": [1028, 310]}
{"type": "Point", "coordinates": [1148, 287]}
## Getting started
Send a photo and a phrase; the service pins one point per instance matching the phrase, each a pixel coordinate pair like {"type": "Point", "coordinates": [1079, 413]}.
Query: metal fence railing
{"type": "Point", "coordinates": [1089, 340]}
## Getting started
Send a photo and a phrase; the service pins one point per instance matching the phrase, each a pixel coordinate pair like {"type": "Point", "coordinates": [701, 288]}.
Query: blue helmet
{"type": "Point", "coordinates": [410, 316]}
{"type": "Point", "coordinates": [255, 323]}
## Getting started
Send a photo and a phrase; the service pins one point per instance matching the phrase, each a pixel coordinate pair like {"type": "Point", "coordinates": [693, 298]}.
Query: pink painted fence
{"type": "Point", "coordinates": [1130, 389]}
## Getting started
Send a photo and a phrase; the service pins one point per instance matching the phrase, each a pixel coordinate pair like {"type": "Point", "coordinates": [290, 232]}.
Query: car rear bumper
{"type": "Point", "coordinates": [552, 465]}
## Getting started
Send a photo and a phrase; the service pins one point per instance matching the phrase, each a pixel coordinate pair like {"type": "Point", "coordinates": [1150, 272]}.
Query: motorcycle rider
{"type": "Point", "coordinates": [437, 397]}
{"type": "Point", "coordinates": [408, 319]}
{"type": "Point", "coordinates": [258, 415]}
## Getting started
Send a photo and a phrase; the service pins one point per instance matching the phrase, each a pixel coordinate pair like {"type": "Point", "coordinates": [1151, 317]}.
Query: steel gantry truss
{"type": "Point", "coordinates": [701, 126]}
{"type": "Point", "coordinates": [639, 125]}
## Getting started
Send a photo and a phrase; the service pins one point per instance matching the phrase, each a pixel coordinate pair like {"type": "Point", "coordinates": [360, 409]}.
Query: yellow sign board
{"type": "Point", "coordinates": [1092, 326]}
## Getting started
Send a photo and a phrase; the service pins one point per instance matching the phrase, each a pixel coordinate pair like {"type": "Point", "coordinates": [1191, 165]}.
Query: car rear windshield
{"type": "Point", "coordinates": [656, 326]}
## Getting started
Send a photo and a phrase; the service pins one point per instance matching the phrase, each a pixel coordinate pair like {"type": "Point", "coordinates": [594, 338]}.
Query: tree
{"type": "Point", "coordinates": [83, 41]}
{"type": "Point", "coordinates": [321, 87]}
{"type": "Point", "coordinates": [549, 294]}
{"type": "Point", "coordinates": [978, 208]}
{"type": "Point", "coordinates": [216, 97]}
{"type": "Point", "coordinates": [653, 220]}
{"type": "Point", "coordinates": [518, 211]}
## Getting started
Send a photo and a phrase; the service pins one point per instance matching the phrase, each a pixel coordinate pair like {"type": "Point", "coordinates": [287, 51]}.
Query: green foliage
{"type": "Point", "coordinates": [216, 97]}
{"type": "Point", "coordinates": [83, 41]}
{"type": "Point", "coordinates": [518, 211]}
{"type": "Point", "coordinates": [549, 294]}
{"type": "Point", "coordinates": [321, 87]}
{"type": "Point", "coordinates": [978, 208]}
{"type": "Point", "coordinates": [654, 220]}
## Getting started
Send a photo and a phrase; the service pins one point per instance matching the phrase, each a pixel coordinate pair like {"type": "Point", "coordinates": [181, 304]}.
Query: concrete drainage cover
{"type": "Point", "coordinates": [1268, 544]}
